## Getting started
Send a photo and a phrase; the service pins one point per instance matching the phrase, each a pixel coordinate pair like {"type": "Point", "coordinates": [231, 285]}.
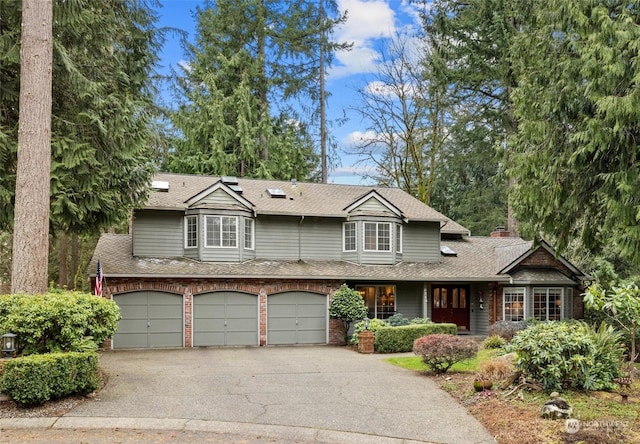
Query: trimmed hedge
{"type": "Point", "coordinates": [36, 379]}
{"type": "Point", "coordinates": [57, 321]}
{"type": "Point", "coordinates": [400, 339]}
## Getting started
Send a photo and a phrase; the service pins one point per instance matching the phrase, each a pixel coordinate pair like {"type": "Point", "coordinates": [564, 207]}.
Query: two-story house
{"type": "Point", "coordinates": [221, 261]}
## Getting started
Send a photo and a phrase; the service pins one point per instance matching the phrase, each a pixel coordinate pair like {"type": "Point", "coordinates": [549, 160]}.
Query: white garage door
{"type": "Point", "coordinates": [225, 318]}
{"type": "Point", "coordinates": [297, 317]}
{"type": "Point", "coordinates": [150, 319]}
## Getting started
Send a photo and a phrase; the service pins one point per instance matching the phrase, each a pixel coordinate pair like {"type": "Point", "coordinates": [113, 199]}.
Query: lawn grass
{"type": "Point", "coordinates": [468, 365]}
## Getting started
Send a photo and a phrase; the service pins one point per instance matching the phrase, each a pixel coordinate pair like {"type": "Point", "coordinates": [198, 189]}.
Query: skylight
{"type": "Point", "coordinates": [276, 193]}
{"type": "Point", "coordinates": [446, 251]}
{"type": "Point", "coordinates": [160, 185]}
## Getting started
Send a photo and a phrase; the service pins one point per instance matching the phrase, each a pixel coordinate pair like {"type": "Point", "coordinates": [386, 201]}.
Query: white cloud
{"type": "Point", "coordinates": [367, 21]}
{"type": "Point", "coordinates": [358, 138]}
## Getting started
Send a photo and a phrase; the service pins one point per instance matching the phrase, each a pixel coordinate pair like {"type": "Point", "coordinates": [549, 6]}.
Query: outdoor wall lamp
{"type": "Point", "coordinates": [8, 345]}
{"type": "Point", "coordinates": [480, 300]}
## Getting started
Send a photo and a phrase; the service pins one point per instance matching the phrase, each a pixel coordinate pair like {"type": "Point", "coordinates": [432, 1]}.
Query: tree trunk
{"type": "Point", "coordinates": [262, 58]}
{"type": "Point", "coordinates": [31, 220]}
{"type": "Point", "coordinates": [75, 261]}
{"type": "Point", "coordinates": [63, 271]}
{"type": "Point", "coordinates": [323, 111]}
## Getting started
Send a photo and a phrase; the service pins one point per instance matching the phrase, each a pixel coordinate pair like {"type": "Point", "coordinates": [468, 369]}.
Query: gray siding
{"type": "Point", "coordinates": [158, 233]}
{"type": "Point", "coordinates": [373, 205]}
{"type": "Point", "coordinates": [277, 238]}
{"type": "Point", "coordinates": [479, 318]}
{"type": "Point", "coordinates": [217, 254]}
{"type": "Point", "coordinates": [217, 198]}
{"type": "Point", "coordinates": [377, 257]}
{"type": "Point", "coordinates": [291, 238]}
{"type": "Point", "coordinates": [409, 299]}
{"type": "Point", "coordinates": [421, 242]}
{"type": "Point", "coordinates": [321, 239]}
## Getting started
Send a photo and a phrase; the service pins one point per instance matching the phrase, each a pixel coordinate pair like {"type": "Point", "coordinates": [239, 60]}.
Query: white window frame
{"type": "Point", "coordinates": [378, 225]}
{"type": "Point", "coordinates": [522, 291]}
{"type": "Point", "coordinates": [398, 239]}
{"type": "Point", "coordinates": [209, 241]}
{"type": "Point", "coordinates": [249, 244]}
{"type": "Point", "coordinates": [187, 232]}
{"type": "Point", "coordinates": [545, 292]}
{"type": "Point", "coordinates": [344, 237]}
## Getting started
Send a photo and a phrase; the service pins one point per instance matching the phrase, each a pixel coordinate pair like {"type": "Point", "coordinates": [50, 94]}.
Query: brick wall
{"type": "Point", "coordinates": [260, 287]}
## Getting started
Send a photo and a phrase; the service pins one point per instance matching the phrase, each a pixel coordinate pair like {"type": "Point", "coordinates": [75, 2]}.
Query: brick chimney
{"type": "Point", "coordinates": [500, 231]}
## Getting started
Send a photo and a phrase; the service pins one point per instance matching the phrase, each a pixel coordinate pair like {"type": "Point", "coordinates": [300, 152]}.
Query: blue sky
{"type": "Point", "coordinates": [370, 23]}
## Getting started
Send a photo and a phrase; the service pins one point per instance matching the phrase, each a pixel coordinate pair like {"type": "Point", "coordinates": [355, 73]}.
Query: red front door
{"type": "Point", "coordinates": [450, 303]}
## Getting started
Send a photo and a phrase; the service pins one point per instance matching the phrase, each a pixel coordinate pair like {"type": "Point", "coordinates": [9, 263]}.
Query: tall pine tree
{"type": "Point", "coordinates": [243, 96]}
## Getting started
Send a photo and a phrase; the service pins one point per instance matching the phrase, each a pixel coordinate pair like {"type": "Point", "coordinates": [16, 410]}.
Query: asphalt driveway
{"type": "Point", "coordinates": [328, 393]}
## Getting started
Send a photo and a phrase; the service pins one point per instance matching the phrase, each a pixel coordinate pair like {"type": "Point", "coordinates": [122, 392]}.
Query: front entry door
{"type": "Point", "coordinates": [450, 303]}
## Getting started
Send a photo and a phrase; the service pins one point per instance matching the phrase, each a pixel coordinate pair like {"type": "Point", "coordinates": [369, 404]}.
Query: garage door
{"type": "Point", "coordinates": [149, 319]}
{"type": "Point", "coordinates": [225, 318]}
{"type": "Point", "coordinates": [297, 318]}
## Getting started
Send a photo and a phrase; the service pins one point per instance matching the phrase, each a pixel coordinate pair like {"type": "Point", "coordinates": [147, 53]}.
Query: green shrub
{"type": "Point", "coordinates": [400, 339]}
{"type": "Point", "coordinates": [36, 379]}
{"type": "Point", "coordinates": [421, 321]}
{"type": "Point", "coordinates": [494, 341]}
{"type": "Point", "coordinates": [569, 355]}
{"type": "Point", "coordinates": [57, 321]}
{"type": "Point", "coordinates": [440, 351]}
{"type": "Point", "coordinates": [348, 306]}
{"type": "Point", "coordinates": [374, 325]}
{"type": "Point", "coordinates": [397, 320]}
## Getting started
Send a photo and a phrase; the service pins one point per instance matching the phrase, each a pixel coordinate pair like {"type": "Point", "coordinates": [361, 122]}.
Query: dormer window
{"type": "Point", "coordinates": [221, 231]}
{"type": "Point", "coordinates": [377, 236]}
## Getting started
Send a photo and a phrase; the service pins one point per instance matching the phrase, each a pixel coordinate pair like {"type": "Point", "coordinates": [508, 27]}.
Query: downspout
{"type": "Point", "coordinates": [300, 238]}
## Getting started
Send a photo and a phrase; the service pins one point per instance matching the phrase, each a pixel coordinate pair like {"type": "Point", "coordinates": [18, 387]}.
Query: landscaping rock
{"type": "Point", "coordinates": [556, 408]}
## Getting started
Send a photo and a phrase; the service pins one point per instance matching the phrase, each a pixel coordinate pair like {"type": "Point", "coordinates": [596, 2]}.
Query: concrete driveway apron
{"type": "Point", "coordinates": [322, 388]}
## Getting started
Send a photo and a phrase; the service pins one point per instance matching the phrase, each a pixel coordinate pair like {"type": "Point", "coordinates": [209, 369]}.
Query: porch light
{"type": "Point", "coordinates": [8, 345]}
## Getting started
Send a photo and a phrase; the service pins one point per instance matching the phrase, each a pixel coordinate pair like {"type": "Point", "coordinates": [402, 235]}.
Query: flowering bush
{"type": "Point", "coordinates": [440, 351]}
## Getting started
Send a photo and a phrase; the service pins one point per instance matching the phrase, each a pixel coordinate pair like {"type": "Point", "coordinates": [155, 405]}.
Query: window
{"type": "Point", "coordinates": [248, 234]}
{"type": "Point", "coordinates": [398, 238]}
{"type": "Point", "coordinates": [449, 296]}
{"type": "Point", "coordinates": [191, 232]}
{"type": "Point", "coordinates": [377, 236]}
{"type": "Point", "coordinates": [379, 299]}
{"type": "Point", "coordinates": [349, 236]}
{"type": "Point", "coordinates": [513, 304]}
{"type": "Point", "coordinates": [221, 231]}
{"type": "Point", "coordinates": [547, 304]}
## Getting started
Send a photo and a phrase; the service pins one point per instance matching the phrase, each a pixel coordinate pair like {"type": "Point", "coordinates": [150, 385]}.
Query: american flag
{"type": "Point", "coordinates": [99, 277]}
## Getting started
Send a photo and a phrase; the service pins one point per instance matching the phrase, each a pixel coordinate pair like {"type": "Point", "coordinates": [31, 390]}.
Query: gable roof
{"type": "Point", "coordinates": [509, 267]}
{"type": "Point", "coordinates": [302, 198]}
{"type": "Point", "coordinates": [212, 189]}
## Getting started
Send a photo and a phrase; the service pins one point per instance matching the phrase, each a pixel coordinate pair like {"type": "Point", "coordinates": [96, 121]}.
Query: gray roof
{"type": "Point", "coordinates": [476, 260]}
{"type": "Point", "coordinates": [308, 199]}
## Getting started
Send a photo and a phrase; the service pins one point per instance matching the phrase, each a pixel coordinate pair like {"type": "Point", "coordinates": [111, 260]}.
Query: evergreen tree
{"type": "Point", "coordinates": [103, 59]}
{"type": "Point", "coordinates": [576, 155]}
{"type": "Point", "coordinates": [250, 62]}
{"type": "Point", "coordinates": [471, 42]}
